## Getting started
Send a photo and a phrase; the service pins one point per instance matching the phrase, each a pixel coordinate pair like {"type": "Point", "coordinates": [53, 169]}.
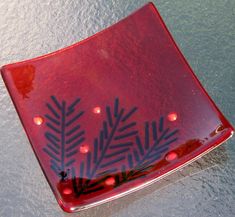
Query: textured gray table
{"type": "Point", "coordinates": [205, 31]}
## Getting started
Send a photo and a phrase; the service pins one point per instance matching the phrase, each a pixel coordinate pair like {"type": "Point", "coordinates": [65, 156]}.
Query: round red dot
{"type": "Point", "coordinates": [67, 191]}
{"type": "Point", "coordinates": [97, 110]}
{"type": "Point", "coordinates": [38, 120]}
{"type": "Point", "coordinates": [84, 149]}
{"type": "Point", "coordinates": [172, 116]}
{"type": "Point", "coordinates": [171, 156]}
{"type": "Point", "coordinates": [110, 181]}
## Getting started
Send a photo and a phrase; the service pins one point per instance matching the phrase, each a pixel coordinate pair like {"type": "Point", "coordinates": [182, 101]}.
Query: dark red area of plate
{"type": "Point", "coordinates": [115, 112]}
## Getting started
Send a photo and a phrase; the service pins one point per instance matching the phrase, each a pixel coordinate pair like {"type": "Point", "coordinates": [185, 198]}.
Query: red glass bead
{"type": "Point", "coordinates": [171, 156]}
{"type": "Point", "coordinates": [67, 191]}
{"type": "Point", "coordinates": [38, 120]}
{"type": "Point", "coordinates": [110, 181]}
{"type": "Point", "coordinates": [97, 110]}
{"type": "Point", "coordinates": [172, 116]}
{"type": "Point", "coordinates": [84, 149]}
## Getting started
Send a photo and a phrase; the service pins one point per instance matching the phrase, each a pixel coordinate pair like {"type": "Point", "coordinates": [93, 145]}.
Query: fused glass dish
{"type": "Point", "coordinates": [114, 113]}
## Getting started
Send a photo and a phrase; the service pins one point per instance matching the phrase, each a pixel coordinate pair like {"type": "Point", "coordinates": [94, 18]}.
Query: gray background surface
{"type": "Point", "coordinates": [204, 30]}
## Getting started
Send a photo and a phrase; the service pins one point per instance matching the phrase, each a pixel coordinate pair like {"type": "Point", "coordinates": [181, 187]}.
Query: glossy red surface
{"type": "Point", "coordinates": [115, 112]}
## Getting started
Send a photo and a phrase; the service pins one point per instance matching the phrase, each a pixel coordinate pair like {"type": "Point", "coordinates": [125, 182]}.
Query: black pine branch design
{"type": "Point", "coordinates": [156, 142]}
{"type": "Point", "coordinates": [113, 145]}
{"type": "Point", "coordinates": [110, 147]}
{"type": "Point", "coordinates": [63, 136]}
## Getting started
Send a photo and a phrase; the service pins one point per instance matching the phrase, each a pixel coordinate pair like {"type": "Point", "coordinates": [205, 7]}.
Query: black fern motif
{"type": "Point", "coordinates": [118, 143]}
{"type": "Point", "coordinates": [156, 142]}
{"type": "Point", "coordinates": [110, 147]}
{"type": "Point", "coordinates": [63, 135]}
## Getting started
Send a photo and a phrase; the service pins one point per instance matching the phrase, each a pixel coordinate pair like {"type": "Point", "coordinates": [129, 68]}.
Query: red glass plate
{"type": "Point", "coordinates": [115, 112]}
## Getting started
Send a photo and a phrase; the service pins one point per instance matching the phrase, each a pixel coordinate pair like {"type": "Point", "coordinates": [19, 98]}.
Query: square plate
{"type": "Point", "coordinates": [115, 112]}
